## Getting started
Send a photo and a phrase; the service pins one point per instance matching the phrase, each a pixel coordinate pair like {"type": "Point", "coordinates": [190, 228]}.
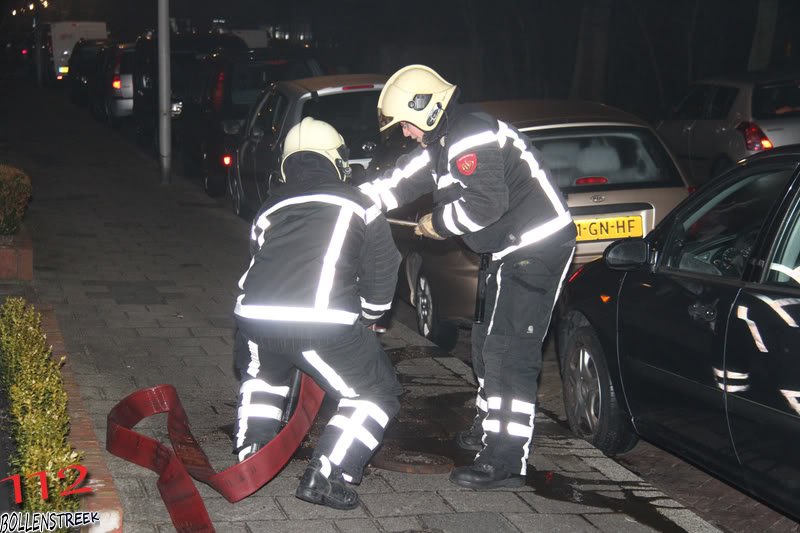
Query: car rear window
{"type": "Point", "coordinates": [605, 158]}
{"type": "Point", "coordinates": [353, 116]}
{"type": "Point", "coordinates": [250, 78]}
{"type": "Point", "coordinates": [776, 100]}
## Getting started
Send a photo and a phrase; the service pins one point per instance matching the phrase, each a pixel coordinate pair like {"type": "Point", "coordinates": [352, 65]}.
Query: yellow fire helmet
{"type": "Point", "coordinates": [415, 94]}
{"type": "Point", "coordinates": [312, 135]}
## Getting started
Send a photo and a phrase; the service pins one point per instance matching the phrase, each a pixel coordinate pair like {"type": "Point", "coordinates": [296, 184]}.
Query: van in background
{"type": "Point", "coordinates": [56, 40]}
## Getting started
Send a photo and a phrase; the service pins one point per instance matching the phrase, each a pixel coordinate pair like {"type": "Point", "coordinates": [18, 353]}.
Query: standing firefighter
{"type": "Point", "coordinates": [489, 188]}
{"type": "Point", "coordinates": [323, 269]}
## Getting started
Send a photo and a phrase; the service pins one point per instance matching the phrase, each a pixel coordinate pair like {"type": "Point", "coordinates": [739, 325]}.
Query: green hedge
{"type": "Point", "coordinates": [39, 423]}
{"type": "Point", "coordinates": [15, 192]}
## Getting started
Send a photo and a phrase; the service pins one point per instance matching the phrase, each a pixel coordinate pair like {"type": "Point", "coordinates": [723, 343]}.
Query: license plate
{"type": "Point", "coordinates": [611, 228]}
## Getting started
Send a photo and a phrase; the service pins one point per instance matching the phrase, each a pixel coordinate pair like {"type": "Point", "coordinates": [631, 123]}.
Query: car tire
{"type": "Point", "coordinates": [236, 197]}
{"type": "Point", "coordinates": [591, 403]}
{"type": "Point", "coordinates": [429, 325]}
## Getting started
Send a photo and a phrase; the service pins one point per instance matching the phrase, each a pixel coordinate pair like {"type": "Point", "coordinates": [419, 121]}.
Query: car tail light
{"type": "Point", "coordinates": [591, 180]}
{"type": "Point", "coordinates": [226, 160]}
{"type": "Point", "coordinates": [575, 274]}
{"type": "Point", "coordinates": [24, 51]}
{"type": "Point", "coordinates": [691, 188]}
{"type": "Point", "coordinates": [219, 91]}
{"type": "Point", "coordinates": [116, 83]}
{"type": "Point", "coordinates": [754, 138]}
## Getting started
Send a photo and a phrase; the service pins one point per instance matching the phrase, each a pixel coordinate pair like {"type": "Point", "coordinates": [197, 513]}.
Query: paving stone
{"type": "Point", "coordinates": [253, 508]}
{"type": "Point", "coordinates": [356, 525]}
{"type": "Point", "coordinates": [292, 526]}
{"type": "Point", "coordinates": [618, 523]}
{"type": "Point", "coordinates": [472, 522]}
{"type": "Point", "coordinates": [399, 504]}
{"type": "Point", "coordinates": [398, 524]}
{"type": "Point", "coordinates": [688, 520]}
{"type": "Point", "coordinates": [551, 523]}
{"type": "Point", "coordinates": [485, 501]}
{"type": "Point", "coordinates": [553, 506]}
{"type": "Point", "coordinates": [612, 470]}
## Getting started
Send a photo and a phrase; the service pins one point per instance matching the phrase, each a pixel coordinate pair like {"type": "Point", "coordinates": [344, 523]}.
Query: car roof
{"type": "Point", "coordinates": [541, 112]}
{"type": "Point", "coordinates": [334, 81]}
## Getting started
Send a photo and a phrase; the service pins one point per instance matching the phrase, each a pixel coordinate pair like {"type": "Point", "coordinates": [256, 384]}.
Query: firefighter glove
{"type": "Point", "coordinates": [425, 228]}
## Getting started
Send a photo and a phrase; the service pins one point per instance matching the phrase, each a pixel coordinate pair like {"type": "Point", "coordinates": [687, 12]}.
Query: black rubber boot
{"type": "Point", "coordinates": [248, 451]}
{"type": "Point", "coordinates": [329, 491]}
{"type": "Point", "coordinates": [485, 476]}
{"type": "Point", "coordinates": [472, 438]}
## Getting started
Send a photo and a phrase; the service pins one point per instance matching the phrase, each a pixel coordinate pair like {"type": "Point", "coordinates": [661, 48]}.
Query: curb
{"type": "Point", "coordinates": [104, 499]}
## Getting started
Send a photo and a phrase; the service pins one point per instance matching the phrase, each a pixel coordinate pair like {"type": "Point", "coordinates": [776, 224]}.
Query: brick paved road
{"type": "Point", "coordinates": [724, 506]}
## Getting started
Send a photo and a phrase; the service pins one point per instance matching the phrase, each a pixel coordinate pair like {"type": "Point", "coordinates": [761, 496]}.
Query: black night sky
{"type": "Point", "coordinates": [635, 54]}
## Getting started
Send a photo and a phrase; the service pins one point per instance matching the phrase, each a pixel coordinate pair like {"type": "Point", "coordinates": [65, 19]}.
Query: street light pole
{"type": "Point", "coordinates": [164, 92]}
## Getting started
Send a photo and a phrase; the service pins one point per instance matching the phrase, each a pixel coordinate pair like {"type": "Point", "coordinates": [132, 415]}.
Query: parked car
{"type": "Point", "coordinates": [186, 49]}
{"type": "Point", "coordinates": [617, 176]}
{"type": "Point", "coordinates": [110, 86]}
{"type": "Point", "coordinates": [347, 102]}
{"type": "Point", "coordinates": [82, 63]}
{"type": "Point", "coordinates": [723, 120]}
{"type": "Point", "coordinates": [230, 83]}
{"type": "Point", "coordinates": [689, 337]}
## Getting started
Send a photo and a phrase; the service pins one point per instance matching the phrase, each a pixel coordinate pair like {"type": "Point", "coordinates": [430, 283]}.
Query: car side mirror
{"type": "Point", "coordinates": [627, 254]}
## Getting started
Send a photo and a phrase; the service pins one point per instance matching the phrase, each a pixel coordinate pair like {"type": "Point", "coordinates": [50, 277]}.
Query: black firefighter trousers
{"type": "Point", "coordinates": [521, 292]}
{"type": "Point", "coordinates": [351, 367]}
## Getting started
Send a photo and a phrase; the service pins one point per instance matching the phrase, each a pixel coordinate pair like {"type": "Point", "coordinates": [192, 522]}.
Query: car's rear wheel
{"type": "Point", "coordinates": [429, 324]}
{"type": "Point", "coordinates": [590, 401]}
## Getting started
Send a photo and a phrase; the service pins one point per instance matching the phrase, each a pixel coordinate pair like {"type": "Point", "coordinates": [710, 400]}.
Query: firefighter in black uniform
{"type": "Point", "coordinates": [324, 268]}
{"type": "Point", "coordinates": [490, 189]}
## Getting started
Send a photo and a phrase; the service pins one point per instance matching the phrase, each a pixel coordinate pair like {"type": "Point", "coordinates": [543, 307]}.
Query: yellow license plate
{"type": "Point", "coordinates": [611, 228]}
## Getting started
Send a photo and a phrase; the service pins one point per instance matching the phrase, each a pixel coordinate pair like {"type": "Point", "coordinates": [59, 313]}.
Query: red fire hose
{"type": "Point", "coordinates": [177, 490]}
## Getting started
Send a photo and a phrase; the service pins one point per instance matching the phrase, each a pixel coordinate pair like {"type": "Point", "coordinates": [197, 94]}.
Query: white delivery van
{"type": "Point", "coordinates": [57, 40]}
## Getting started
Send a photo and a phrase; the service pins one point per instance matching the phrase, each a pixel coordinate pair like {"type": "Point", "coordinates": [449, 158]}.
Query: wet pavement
{"type": "Point", "coordinates": [143, 278]}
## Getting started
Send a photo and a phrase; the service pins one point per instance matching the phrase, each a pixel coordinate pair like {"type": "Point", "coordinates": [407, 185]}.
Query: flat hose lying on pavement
{"type": "Point", "coordinates": [183, 501]}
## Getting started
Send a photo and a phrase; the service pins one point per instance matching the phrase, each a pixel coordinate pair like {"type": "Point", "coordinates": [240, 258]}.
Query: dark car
{"type": "Point", "coordinates": [230, 83]}
{"type": "Point", "coordinates": [617, 176]}
{"type": "Point", "coordinates": [689, 337]}
{"type": "Point", "coordinates": [186, 50]}
{"type": "Point", "coordinates": [347, 102]}
{"type": "Point", "coordinates": [82, 65]}
{"type": "Point", "coordinates": [110, 86]}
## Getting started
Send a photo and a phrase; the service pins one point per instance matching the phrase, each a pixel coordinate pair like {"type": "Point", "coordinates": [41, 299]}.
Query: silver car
{"type": "Point", "coordinates": [722, 120]}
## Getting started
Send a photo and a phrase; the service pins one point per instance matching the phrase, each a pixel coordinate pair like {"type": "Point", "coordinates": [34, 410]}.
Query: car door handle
{"type": "Point", "coordinates": [686, 129]}
{"type": "Point", "coordinates": [704, 312]}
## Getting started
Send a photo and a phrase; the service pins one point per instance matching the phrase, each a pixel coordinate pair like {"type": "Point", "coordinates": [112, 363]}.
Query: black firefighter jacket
{"type": "Point", "coordinates": [488, 187]}
{"type": "Point", "coordinates": [322, 255]}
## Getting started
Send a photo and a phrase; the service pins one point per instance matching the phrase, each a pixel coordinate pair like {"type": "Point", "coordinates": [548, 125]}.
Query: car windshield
{"type": "Point", "coordinates": [353, 115]}
{"type": "Point", "coordinates": [777, 100]}
{"type": "Point", "coordinates": [250, 78]}
{"type": "Point", "coordinates": [601, 158]}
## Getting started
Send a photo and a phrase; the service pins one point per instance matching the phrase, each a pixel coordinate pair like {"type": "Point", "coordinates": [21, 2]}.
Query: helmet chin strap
{"type": "Point", "coordinates": [431, 137]}
{"type": "Point", "coordinates": [345, 171]}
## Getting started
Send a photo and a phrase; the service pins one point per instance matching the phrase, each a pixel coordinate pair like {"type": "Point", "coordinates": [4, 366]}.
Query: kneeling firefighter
{"type": "Point", "coordinates": [323, 269]}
